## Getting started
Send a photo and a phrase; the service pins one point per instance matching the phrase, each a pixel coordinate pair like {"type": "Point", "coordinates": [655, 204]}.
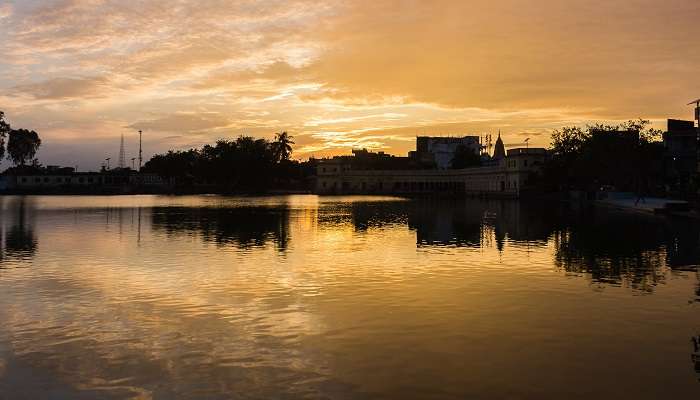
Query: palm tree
{"type": "Point", "coordinates": [283, 146]}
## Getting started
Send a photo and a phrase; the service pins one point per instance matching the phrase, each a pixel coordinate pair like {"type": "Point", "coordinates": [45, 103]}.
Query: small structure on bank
{"type": "Point", "coordinates": [54, 179]}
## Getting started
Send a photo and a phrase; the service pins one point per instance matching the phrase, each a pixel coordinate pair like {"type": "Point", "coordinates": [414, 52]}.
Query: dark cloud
{"type": "Point", "coordinates": [64, 88]}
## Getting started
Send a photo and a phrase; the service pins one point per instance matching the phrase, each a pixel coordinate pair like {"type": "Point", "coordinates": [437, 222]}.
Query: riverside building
{"type": "Point", "coordinates": [508, 175]}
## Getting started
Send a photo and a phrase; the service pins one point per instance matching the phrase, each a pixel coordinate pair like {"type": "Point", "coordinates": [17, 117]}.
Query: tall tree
{"type": "Point", "coordinates": [465, 157]}
{"type": "Point", "coordinates": [283, 146]}
{"type": "Point", "coordinates": [625, 156]}
{"type": "Point", "coordinates": [22, 146]}
{"type": "Point", "coordinates": [243, 164]}
{"type": "Point", "coordinates": [4, 131]}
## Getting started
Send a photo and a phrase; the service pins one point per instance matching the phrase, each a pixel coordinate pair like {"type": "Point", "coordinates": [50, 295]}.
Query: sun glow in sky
{"type": "Point", "coordinates": [336, 74]}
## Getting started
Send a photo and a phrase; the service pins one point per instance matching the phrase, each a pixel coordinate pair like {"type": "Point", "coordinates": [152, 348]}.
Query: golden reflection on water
{"type": "Point", "coordinates": [150, 297]}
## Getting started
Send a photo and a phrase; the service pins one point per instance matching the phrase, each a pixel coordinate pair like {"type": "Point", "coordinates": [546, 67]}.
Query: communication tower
{"type": "Point", "coordinates": [122, 158]}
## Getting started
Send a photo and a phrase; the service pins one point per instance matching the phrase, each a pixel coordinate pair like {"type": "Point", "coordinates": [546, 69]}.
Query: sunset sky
{"type": "Point", "coordinates": [336, 74]}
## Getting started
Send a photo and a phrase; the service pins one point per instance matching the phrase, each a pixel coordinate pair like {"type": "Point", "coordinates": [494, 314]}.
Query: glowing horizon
{"type": "Point", "coordinates": [336, 75]}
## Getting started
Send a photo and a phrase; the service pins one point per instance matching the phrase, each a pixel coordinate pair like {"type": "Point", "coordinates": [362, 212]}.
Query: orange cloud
{"type": "Point", "coordinates": [343, 73]}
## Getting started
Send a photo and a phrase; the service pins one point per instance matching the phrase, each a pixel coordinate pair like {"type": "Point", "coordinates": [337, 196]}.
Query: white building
{"type": "Point", "coordinates": [508, 177]}
{"type": "Point", "coordinates": [441, 150]}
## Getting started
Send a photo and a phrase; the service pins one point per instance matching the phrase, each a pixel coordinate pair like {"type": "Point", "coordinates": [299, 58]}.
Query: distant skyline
{"type": "Point", "coordinates": [336, 74]}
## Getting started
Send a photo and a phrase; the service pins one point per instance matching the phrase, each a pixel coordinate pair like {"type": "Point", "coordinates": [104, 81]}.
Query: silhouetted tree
{"type": "Point", "coordinates": [283, 146]}
{"type": "Point", "coordinates": [22, 146]}
{"type": "Point", "coordinates": [464, 158]}
{"type": "Point", "coordinates": [174, 164]}
{"type": "Point", "coordinates": [646, 134]}
{"type": "Point", "coordinates": [569, 141]}
{"type": "Point", "coordinates": [4, 131]}
{"type": "Point", "coordinates": [246, 163]}
{"type": "Point", "coordinates": [626, 156]}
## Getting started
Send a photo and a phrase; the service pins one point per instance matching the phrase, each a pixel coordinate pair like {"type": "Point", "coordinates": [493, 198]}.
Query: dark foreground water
{"type": "Point", "coordinates": [343, 298]}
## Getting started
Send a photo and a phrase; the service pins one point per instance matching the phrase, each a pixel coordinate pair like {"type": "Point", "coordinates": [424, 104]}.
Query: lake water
{"type": "Point", "coordinates": [206, 297]}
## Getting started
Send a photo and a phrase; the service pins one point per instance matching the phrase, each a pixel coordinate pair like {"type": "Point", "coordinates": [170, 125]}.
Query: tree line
{"type": "Point", "coordinates": [628, 157]}
{"type": "Point", "coordinates": [243, 164]}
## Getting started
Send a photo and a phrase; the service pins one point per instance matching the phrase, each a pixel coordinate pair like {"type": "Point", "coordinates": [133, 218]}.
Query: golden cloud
{"type": "Point", "coordinates": [324, 71]}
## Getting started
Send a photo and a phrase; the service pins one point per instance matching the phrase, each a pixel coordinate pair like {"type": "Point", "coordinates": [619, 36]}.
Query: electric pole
{"type": "Point", "coordinates": [140, 150]}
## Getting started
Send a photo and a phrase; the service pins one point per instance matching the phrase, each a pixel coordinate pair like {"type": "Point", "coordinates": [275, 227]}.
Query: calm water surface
{"type": "Point", "coordinates": [209, 297]}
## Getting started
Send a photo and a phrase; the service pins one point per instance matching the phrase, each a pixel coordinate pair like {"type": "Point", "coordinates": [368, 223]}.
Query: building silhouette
{"type": "Point", "coordinates": [508, 175]}
{"type": "Point", "coordinates": [681, 155]}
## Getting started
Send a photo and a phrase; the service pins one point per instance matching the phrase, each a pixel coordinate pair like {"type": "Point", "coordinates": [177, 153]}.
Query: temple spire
{"type": "Point", "coordinates": [500, 150]}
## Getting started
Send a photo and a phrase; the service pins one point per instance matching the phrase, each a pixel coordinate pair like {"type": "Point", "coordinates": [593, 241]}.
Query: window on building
{"type": "Point", "coordinates": [81, 179]}
{"type": "Point", "coordinates": [46, 180]}
{"type": "Point", "coordinates": [525, 163]}
{"type": "Point", "coordinates": [89, 180]}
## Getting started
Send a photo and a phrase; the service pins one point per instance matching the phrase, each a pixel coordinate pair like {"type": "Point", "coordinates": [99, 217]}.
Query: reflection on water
{"type": "Point", "coordinates": [17, 228]}
{"type": "Point", "coordinates": [695, 357]}
{"type": "Point", "coordinates": [615, 248]}
{"type": "Point", "coordinates": [240, 226]}
{"type": "Point", "coordinates": [343, 297]}
{"type": "Point", "coordinates": [608, 246]}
